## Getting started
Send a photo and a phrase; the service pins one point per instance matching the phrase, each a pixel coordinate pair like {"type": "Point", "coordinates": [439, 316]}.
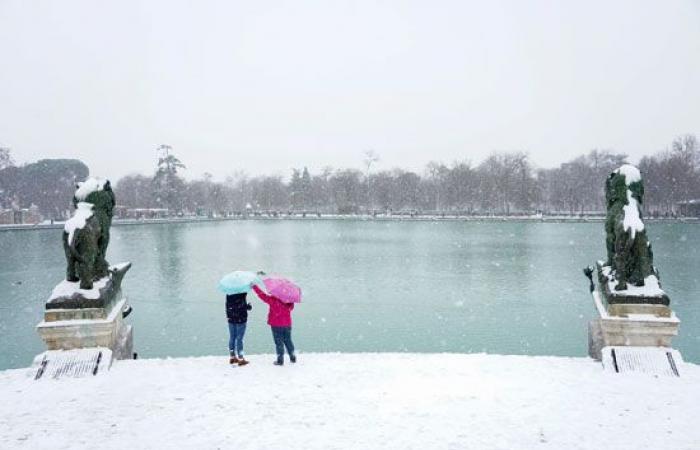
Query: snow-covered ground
{"type": "Point", "coordinates": [354, 401]}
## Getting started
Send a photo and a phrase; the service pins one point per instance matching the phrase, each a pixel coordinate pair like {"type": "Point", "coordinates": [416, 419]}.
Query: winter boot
{"type": "Point", "coordinates": [233, 360]}
{"type": "Point", "coordinates": [293, 358]}
{"type": "Point", "coordinates": [279, 362]}
{"type": "Point", "coordinates": [242, 361]}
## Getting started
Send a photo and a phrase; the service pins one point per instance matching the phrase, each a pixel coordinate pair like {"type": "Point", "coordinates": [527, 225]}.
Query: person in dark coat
{"type": "Point", "coordinates": [237, 314]}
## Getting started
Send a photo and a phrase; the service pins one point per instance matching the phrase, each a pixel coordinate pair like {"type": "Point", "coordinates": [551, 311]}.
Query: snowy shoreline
{"type": "Point", "coordinates": [364, 401]}
{"type": "Point", "coordinates": [362, 218]}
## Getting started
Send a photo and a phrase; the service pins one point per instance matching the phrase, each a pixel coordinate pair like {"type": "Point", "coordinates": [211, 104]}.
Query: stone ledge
{"type": "Point", "coordinates": [632, 310]}
{"type": "Point", "coordinates": [633, 329]}
{"type": "Point", "coordinates": [82, 333]}
{"type": "Point", "coordinates": [629, 333]}
{"type": "Point", "coordinates": [55, 315]}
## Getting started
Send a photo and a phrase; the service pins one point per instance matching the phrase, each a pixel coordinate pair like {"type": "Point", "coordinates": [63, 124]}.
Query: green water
{"type": "Point", "coordinates": [510, 287]}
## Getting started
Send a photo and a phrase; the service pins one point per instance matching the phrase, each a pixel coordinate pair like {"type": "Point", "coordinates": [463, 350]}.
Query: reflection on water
{"type": "Point", "coordinates": [368, 286]}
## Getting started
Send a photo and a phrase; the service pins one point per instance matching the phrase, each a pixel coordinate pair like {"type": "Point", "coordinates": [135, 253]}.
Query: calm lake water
{"type": "Point", "coordinates": [369, 286]}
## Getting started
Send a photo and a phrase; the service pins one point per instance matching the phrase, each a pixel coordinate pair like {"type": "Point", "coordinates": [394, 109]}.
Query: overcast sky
{"type": "Point", "coordinates": [265, 86]}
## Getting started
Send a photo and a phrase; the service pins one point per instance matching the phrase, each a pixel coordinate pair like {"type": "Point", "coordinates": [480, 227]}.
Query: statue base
{"type": "Point", "coordinates": [630, 332]}
{"type": "Point", "coordinates": [630, 324]}
{"type": "Point", "coordinates": [77, 318]}
{"type": "Point", "coordinates": [68, 295]}
{"type": "Point", "coordinates": [650, 294]}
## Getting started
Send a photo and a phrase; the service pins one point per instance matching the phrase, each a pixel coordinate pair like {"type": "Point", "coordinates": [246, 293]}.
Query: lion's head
{"type": "Point", "coordinates": [626, 177]}
{"type": "Point", "coordinates": [98, 192]}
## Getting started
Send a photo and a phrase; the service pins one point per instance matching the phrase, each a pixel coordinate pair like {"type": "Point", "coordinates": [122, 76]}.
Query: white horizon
{"type": "Point", "coordinates": [238, 86]}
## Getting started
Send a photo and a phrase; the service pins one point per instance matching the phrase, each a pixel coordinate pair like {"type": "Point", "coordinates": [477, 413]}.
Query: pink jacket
{"type": "Point", "coordinates": [280, 314]}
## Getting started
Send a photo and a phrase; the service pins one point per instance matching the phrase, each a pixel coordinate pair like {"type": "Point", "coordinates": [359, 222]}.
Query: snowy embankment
{"type": "Point", "coordinates": [363, 401]}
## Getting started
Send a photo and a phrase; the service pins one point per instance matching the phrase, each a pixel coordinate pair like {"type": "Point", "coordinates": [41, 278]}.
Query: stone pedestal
{"type": "Point", "coordinates": [633, 325]}
{"type": "Point", "coordinates": [76, 319]}
{"type": "Point", "coordinates": [634, 317]}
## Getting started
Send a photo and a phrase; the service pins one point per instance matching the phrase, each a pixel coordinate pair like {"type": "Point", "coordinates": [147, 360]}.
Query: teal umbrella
{"type": "Point", "coordinates": [237, 282]}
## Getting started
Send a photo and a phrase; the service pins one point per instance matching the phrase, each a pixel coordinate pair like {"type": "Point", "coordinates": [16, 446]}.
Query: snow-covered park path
{"type": "Point", "coordinates": [354, 401]}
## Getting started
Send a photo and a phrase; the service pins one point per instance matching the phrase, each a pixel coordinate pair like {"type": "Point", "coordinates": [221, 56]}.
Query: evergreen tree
{"type": "Point", "coordinates": [168, 187]}
{"type": "Point", "coordinates": [305, 189]}
{"type": "Point", "coordinates": [295, 190]}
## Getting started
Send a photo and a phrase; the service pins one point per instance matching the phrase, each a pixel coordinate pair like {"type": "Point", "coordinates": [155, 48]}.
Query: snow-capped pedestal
{"type": "Point", "coordinates": [638, 316]}
{"type": "Point", "coordinates": [68, 295]}
{"type": "Point", "coordinates": [650, 294]}
{"type": "Point", "coordinates": [77, 318]}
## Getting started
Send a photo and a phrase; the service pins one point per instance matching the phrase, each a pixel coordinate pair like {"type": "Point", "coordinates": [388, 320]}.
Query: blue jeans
{"type": "Point", "coordinates": [235, 341]}
{"type": "Point", "coordinates": [283, 338]}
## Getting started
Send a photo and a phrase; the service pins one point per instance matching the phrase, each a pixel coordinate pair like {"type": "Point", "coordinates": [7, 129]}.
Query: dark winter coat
{"type": "Point", "coordinates": [237, 308]}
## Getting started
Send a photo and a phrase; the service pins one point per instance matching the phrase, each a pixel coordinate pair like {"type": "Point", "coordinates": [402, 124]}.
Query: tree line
{"type": "Point", "coordinates": [48, 184]}
{"type": "Point", "coordinates": [504, 183]}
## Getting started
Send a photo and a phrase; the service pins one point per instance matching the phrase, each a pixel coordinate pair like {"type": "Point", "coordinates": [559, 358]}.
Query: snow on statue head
{"type": "Point", "coordinates": [630, 259]}
{"type": "Point", "coordinates": [86, 234]}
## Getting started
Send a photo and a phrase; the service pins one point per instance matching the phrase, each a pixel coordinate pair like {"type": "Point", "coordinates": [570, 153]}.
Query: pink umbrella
{"type": "Point", "coordinates": [283, 289]}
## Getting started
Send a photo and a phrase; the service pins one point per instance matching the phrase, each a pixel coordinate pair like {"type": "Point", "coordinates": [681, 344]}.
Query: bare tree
{"type": "Point", "coordinates": [502, 183]}
{"type": "Point", "coordinates": [5, 158]}
{"type": "Point", "coordinates": [505, 181]}
{"type": "Point", "coordinates": [346, 189]}
{"type": "Point", "coordinates": [461, 186]}
{"type": "Point", "coordinates": [437, 174]}
{"type": "Point", "coordinates": [134, 191]}
{"type": "Point", "coordinates": [371, 157]}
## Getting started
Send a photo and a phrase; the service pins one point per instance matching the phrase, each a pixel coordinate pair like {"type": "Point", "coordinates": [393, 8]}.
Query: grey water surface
{"type": "Point", "coordinates": [369, 286]}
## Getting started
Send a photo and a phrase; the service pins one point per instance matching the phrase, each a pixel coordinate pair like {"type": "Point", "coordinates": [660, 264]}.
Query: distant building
{"type": "Point", "coordinates": [122, 212]}
{"type": "Point", "coordinates": [7, 217]}
{"type": "Point", "coordinates": [689, 208]}
{"type": "Point", "coordinates": [16, 216]}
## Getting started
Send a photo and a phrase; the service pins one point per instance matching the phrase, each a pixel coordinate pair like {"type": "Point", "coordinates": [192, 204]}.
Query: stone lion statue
{"type": "Point", "coordinates": [86, 234]}
{"type": "Point", "coordinates": [629, 251]}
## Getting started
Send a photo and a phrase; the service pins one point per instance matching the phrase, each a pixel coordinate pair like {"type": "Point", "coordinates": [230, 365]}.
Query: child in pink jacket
{"type": "Point", "coordinates": [280, 320]}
